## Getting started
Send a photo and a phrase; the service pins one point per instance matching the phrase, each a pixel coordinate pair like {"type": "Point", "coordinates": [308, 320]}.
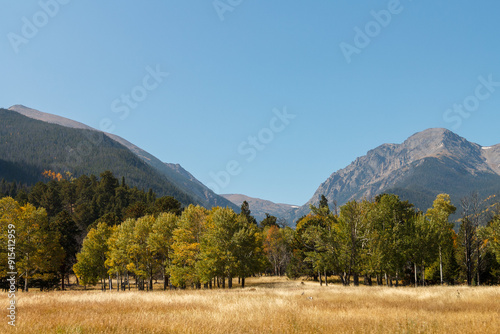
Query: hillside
{"type": "Point", "coordinates": [29, 146]}
{"type": "Point", "coordinates": [174, 173]}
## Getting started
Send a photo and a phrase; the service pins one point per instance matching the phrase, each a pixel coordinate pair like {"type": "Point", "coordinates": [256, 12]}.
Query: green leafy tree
{"type": "Point", "coordinates": [38, 246]}
{"type": "Point", "coordinates": [307, 242]}
{"type": "Point", "coordinates": [230, 247]}
{"type": "Point", "coordinates": [141, 252]}
{"type": "Point", "coordinates": [439, 216]}
{"type": "Point", "coordinates": [10, 213]}
{"type": "Point", "coordinates": [118, 259]}
{"type": "Point", "coordinates": [390, 237]}
{"type": "Point", "coordinates": [423, 243]}
{"type": "Point", "coordinates": [248, 250]}
{"type": "Point", "coordinates": [37, 249]}
{"type": "Point", "coordinates": [186, 246]}
{"type": "Point", "coordinates": [317, 239]}
{"type": "Point", "coordinates": [321, 248]}
{"type": "Point", "coordinates": [353, 231]}
{"type": "Point", "coordinates": [90, 265]}
{"type": "Point", "coordinates": [160, 242]}
{"type": "Point", "coordinates": [493, 236]}
{"type": "Point", "coordinates": [217, 246]}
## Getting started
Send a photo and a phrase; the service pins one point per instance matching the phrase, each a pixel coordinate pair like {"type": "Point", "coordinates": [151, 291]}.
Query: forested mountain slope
{"type": "Point", "coordinates": [29, 146]}
{"type": "Point", "coordinates": [177, 175]}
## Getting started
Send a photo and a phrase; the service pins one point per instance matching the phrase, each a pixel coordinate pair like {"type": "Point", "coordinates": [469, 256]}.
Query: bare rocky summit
{"type": "Point", "coordinates": [432, 161]}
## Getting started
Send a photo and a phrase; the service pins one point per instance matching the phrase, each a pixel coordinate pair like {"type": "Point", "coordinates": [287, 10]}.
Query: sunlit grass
{"type": "Point", "coordinates": [267, 305]}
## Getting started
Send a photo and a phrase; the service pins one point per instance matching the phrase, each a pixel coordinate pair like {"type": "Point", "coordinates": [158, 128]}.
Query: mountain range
{"type": "Point", "coordinates": [259, 207]}
{"type": "Point", "coordinates": [81, 149]}
{"type": "Point", "coordinates": [428, 163]}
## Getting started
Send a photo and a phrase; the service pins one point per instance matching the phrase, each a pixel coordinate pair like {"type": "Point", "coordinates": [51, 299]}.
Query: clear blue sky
{"type": "Point", "coordinates": [227, 76]}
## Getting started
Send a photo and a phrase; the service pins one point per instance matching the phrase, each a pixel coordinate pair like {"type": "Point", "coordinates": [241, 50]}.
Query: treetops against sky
{"type": "Point", "coordinates": [192, 82]}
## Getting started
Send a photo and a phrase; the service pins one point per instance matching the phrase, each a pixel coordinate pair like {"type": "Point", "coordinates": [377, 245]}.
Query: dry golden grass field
{"type": "Point", "coordinates": [266, 305]}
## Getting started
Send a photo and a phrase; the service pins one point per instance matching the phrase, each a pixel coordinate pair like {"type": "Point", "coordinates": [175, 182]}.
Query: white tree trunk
{"type": "Point", "coordinates": [416, 280]}
{"type": "Point", "coordinates": [440, 265]}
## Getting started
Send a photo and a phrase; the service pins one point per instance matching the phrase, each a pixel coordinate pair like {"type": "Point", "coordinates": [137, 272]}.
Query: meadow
{"type": "Point", "coordinates": [266, 305]}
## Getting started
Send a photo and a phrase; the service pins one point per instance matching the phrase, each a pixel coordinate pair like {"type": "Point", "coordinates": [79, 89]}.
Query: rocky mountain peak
{"type": "Point", "coordinates": [438, 142]}
{"type": "Point", "coordinates": [415, 162]}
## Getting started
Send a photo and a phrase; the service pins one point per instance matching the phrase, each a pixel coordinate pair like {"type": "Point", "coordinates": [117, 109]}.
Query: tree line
{"type": "Point", "coordinates": [102, 231]}
{"type": "Point", "coordinates": [66, 209]}
{"type": "Point", "coordinates": [198, 247]}
{"type": "Point", "coordinates": [389, 241]}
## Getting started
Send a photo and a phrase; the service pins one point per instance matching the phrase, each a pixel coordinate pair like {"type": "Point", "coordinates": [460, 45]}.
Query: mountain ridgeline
{"type": "Point", "coordinates": [260, 207]}
{"type": "Point", "coordinates": [32, 141]}
{"type": "Point", "coordinates": [31, 146]}
{"type": "Point", "coordinates": [428, 163]}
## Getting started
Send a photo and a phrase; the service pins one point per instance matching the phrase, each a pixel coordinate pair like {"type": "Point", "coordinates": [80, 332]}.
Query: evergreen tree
{"type": "Point", "coordinates": [68, 231]}
{"type": "Point", "coordinates": [269, 221]}
{"type": "Point", "coordinates": [166, 204]}
{"type": "Point", "coordinates": [323, 203]}
{"type": "Point", "coordinates": [245, 212]}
